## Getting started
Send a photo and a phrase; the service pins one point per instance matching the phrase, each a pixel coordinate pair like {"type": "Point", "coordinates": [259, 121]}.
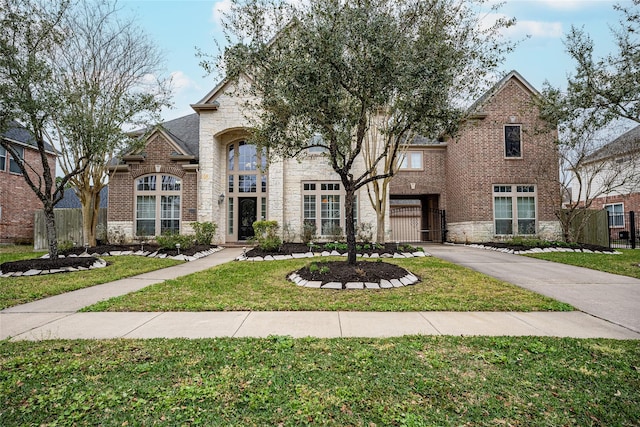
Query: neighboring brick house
{"type": "Point", "coordinates": [489, 167]}
{"type": "Point", "coordinates": [618, 166]}
{"type": "Point", "coordinates": [18, 202]}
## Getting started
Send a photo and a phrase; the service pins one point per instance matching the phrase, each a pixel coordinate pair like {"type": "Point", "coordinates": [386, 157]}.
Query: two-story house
{"type": "Point", "coordinates": [18, 202]}
{"type": "Point", "coordinates": [484, 182]}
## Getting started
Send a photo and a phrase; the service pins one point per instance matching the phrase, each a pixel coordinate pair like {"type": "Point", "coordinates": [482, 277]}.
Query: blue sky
{"type": "Point", "coordinates": [179, 26]}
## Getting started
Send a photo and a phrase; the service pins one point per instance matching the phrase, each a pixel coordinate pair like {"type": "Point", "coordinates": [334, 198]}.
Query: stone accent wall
{"type": "Point", "coordinates": [18, 202]}
{"type": "Point", "coordinates": [227, 124]}
{"type": "Point", "coordinates": [218, 129]}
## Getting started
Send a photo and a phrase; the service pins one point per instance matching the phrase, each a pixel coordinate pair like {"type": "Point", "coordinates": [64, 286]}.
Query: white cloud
{"type": "Point", "coordinates": [524, 28]}
{"type": "Point", "coordinates": [180, 82]}
{"type": "Point", "coordinates": [566, 4]}
{"type": "Point", "coordinates": [219, 9]}
{"type": "Point", "coordinates": [536, 29]}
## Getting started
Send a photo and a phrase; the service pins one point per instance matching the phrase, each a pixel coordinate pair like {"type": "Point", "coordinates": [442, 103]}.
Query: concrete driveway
{"type": "Point", "coordinates": [607, 296]}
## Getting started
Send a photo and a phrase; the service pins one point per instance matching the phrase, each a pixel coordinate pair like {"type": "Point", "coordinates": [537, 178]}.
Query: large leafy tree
{"type": "Point", "coordinates": [600, 93]}
{"type": "Point", "coordinates": [31, 33]}
{"type": "Point", "coordinates": [329, 66]}
{"type": "Point", "coordinates": [74, 74]}
{"type": "Point", "coordinates": [108, 76]}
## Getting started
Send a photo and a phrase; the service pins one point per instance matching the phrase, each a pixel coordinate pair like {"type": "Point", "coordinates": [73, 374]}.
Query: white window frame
{"type": "Point", "coordinates": [159, 193]}
{"type": "Point", "coordinates": [315, 196]}
{"type": "Point", "coordinates": [504, 134]}
{"type": "Point", "coordinates": [515, 193]}
{"type": "Point", "coordinates": [412, 160]}
{"type": "Point", "coordinates": [613, 215]}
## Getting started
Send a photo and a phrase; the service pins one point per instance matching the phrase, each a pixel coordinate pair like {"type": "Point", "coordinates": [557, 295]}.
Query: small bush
{"type": "Point", "coordinates": [116, 236]}
{"type": "Point", "coordinates": [204, 232]}
{"type": "Point", "coordinates": [266, 234]}
{"type": "Point", "coordinates": [308, 233]}
{"type": "Point", "coordinates": [169, 239]}
{"type": "Point", "coordinates": [65, 245]}
{"type": "Point", "coordinates": [364, 232]}
{"type": "Point", "coordinates": [288, 232]}
{"type": "Point", "coordinates": [334, 232]}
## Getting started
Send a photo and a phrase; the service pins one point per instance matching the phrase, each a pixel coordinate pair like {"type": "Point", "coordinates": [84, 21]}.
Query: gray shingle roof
{"type": "Point", "coordinates": [71, 200]}
{"type": "Point", "coordinates": [626, 143]}
{"type": "Point", "coordinates": [18, 133]}
{"type": "Point", "coordinates": [186, 132]}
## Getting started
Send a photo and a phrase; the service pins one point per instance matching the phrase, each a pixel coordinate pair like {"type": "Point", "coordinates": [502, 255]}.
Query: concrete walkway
{"type": "Point", "coordinates": [57, 317]}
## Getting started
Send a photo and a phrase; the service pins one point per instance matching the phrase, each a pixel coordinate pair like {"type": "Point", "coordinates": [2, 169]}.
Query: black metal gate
{"type": "Point", "coordinates": [417, 224]}
{"type": "Point", "coordinates": [623, 230]}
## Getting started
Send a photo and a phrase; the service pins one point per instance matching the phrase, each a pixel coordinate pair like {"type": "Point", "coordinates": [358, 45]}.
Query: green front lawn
{"type": "Point", "coordinates": [262, 286]}
{"type": "Point", "coordinates": [408, 381]}
{"type": "Point", "coordinates": [21, 290]}
{"type": "Point", "coordinates": [626, 264]}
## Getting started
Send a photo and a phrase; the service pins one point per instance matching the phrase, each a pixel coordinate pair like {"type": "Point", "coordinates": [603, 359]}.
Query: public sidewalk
{"type": "Point", "coordinates": [57, 317]}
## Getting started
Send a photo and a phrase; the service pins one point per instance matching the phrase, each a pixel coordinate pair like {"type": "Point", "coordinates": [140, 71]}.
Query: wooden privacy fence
{"type": "Point", "coordinates": [68, 227]}
{"type": "Point", "coordinates": [596, 227]}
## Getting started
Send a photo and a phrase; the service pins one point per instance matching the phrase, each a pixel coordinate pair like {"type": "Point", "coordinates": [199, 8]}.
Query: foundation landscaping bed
{"type": "Point", "coordinates": [80, 258]}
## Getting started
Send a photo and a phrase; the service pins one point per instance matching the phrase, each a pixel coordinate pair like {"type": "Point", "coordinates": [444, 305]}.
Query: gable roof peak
{"type": "Point", "coordinates": [495, 89]}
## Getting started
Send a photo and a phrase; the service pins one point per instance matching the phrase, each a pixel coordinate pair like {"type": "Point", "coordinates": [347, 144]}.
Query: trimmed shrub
{"type": "Point", "coordinates": [204, 232]}
{"type": "Point", "coordinates": [266, 233]}
{"type": "Point", "coordinates": [169, 239]}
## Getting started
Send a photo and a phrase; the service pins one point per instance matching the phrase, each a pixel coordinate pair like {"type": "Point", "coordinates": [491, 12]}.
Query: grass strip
{"type": "Point", "coordinates": [262, 286]}
{"type": "Point", "coordinates": [626, 264]}
{"type": "Point", "coordinates": [21, 290]}
{"type": "Point", "coordinates": [408, 381]}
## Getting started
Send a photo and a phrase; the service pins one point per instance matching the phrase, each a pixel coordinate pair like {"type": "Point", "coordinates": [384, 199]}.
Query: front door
{"type": "Point", "coordinates": [247, 215]}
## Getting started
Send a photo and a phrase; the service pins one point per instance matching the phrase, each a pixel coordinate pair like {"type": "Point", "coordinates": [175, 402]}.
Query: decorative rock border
{"type": "Point", "coordinates": [407, 280]}
{"type": "Point", "coordinates": [102, 263]}
{"type": "Point", "coordinates": [155, 254]}
{"type": "Point", "coordinates": [332, 253]}
{"type": "Point", "coordinates": [539, 250]}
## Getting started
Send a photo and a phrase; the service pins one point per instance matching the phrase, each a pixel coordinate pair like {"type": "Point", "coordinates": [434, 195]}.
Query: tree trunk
{"type": "Point", "coordinates": [350, 229]}
{"type": "Point", "coordinates": [380, 234]}
{"type": "Point", "coordinates": [52, 238]}
{"type": "Point", "coordinates": [90, 206]}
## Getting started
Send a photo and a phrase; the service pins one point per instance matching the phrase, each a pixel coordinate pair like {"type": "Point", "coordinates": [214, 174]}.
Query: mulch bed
{"type": "Point", "coordinates": [296, 248]}
{"type": "Point", "coordinates": [52, 264]}
{"type": "Point", "coordinates": [46, 264]}
{"type": "Point", "coordinates": [341, 271]}
{"type": "Point", "coordinates": [501, 245]}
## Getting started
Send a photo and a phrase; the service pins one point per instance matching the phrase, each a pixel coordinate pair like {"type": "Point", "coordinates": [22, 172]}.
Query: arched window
{"type": "Point", "coordinates": [157, 204]}
{"type": "Point", "coordinates": [246, 189]}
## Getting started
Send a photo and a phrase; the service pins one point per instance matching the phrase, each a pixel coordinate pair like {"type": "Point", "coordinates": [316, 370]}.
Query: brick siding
{"type": "Point", "coordinates": [157, 159]}
{"type": "Point", "coordinates": [18, 201]}
{"type": "Point", "coordinates": [631, 202]}
{"type": "Point", "coordinates": [476, 160]}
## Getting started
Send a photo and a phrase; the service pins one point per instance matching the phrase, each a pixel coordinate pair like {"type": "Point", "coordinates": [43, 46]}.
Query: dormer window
{"type": "Point", "coordinates": [314, 142]}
